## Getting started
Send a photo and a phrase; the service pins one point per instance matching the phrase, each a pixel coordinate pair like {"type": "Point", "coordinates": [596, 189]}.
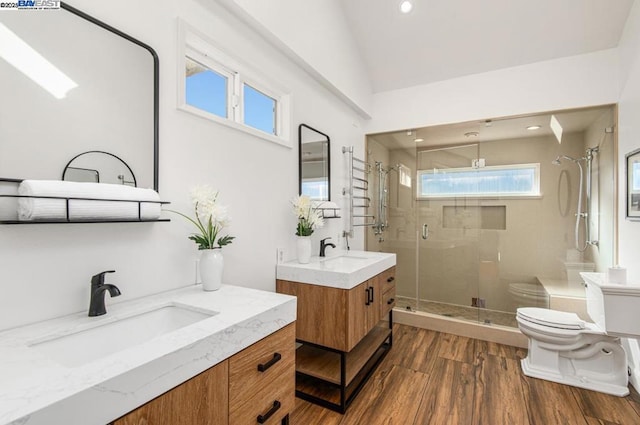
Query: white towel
{"type": "Point", "coordinates": [33, 209]}
{"type": "Point", "coordinates": [329, 209]}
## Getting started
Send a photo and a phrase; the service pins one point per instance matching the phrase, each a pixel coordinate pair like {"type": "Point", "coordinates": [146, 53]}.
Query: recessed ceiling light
{"type": "Point", "coordinates": [534, 127]}
{"type": "Point", "coordinates": [406, 6]}
{"type": "Point", "coordinates": [471, 134]}
{"type": "Point", "coordinates": [418, 139]}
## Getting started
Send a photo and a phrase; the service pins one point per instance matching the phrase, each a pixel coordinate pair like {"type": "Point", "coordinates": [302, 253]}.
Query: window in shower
{"type": "Point", "coordinates": [490, 181]}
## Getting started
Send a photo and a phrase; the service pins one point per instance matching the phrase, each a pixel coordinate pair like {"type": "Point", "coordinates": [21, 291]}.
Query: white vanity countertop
{"type": "Point", "coordinates": [342, 269]}
{"type": "Point", "coordinates": [34, 389]}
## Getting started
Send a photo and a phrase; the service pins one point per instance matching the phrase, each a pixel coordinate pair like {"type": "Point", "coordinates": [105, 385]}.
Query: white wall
{"type": "Point", "coordinates": [45, 269]}
{"type": "Point", "coordinates": [570, 82]}
{"type": "Point", "coordinates": [315, 33]}
{"type": "Point", "coordinates": [628, 140]}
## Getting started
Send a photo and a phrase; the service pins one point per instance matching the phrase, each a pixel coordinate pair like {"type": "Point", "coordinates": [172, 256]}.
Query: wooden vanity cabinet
{"type": "Point", "coordinates": [255, 386]}
{"type": "Point", "coordinates": [202, 399]}
{"type": "Point", "coordinates": [341, 332]}
{"type": "Point", "coordinates": [387, 286]}
{"type": "Point", "coordinates": [333, 317]}
{"type": "Point", "coordinates": [262, 380]}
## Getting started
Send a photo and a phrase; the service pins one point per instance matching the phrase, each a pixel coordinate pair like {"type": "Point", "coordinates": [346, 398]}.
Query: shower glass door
{"type": "Point", "coordinates": [448, 222]}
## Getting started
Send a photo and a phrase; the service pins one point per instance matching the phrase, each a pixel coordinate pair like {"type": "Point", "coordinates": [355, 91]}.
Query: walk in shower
{"type": "Point", "coordinates": [491, 215]}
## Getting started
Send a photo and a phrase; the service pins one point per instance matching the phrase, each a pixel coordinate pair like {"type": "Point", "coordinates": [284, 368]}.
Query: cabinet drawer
{"type": "Point", "coordinates": [387, 279]}
{"type": "Point", "coordinates": [387, 302]}
{"type": "Point", "coordinates": [278, 397]}
{"type": "Point", "coordinates": [261, 375]}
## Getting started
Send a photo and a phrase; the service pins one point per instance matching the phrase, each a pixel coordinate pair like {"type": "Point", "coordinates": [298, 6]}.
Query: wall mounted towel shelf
{"type": "Point", "coordinates": [68, 216]}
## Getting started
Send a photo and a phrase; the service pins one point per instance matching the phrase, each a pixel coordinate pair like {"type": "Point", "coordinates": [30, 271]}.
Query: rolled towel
{"type": "Point", "coordinates": [108, 205]}
{"type": "Point", "coordinates": [329, 209]}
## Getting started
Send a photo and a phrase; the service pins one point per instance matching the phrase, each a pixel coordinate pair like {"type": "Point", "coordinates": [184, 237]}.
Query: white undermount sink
{"type": "Point", "coordinates": [343, 260]}
{"type": "Point", "coordinates": [79, 347]}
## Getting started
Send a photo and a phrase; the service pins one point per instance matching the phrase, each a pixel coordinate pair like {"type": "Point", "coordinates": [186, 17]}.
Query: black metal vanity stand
{"type": "Point", "coordinates": [347, 392]}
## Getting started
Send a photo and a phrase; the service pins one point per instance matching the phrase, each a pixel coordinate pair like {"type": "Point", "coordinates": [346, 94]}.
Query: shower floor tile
{"type": "Point", "coordinates": [473, 314]}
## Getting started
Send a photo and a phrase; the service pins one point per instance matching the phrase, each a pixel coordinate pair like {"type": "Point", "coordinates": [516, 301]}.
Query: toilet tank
{"type": "Point", "coordinates": [612, 307]}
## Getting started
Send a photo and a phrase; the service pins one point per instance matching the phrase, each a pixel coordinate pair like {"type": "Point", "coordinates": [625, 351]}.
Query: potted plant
{"type": "Point", "coordinates": [210, 219]}
{"type": "Point", "coordinates": [309, 218]}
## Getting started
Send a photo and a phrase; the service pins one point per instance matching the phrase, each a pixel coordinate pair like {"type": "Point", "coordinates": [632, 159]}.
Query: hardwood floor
{"type": "Point", "coordinates": [436, 378]}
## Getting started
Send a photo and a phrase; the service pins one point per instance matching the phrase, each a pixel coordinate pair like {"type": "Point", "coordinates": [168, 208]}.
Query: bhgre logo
{"type": "Point", "coordinates": [30, 5]}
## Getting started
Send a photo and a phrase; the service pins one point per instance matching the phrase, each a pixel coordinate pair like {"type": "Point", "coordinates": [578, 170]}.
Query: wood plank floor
{"type": "Point", "coordinates": [436, 378]}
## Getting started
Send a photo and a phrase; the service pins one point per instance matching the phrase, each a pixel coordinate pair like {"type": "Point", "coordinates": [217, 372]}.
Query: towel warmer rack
{"type": "Point", "coordinates": [357, 190]}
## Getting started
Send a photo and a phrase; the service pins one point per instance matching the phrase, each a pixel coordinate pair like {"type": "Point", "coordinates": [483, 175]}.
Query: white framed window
{"type": "Point", "coordinates": [216, 85]}
{"type": "Point", "coordinates": [516, 180]}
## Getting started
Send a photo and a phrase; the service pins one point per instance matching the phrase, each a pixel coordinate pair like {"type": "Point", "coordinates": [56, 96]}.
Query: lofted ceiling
{"type": "Point", "coordinates": [444, 39]}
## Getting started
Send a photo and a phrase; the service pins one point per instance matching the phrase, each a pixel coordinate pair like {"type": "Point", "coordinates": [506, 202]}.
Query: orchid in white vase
{"type": "Point", "coordinates": [309, 217]}
{"type": "Point", "coordinates": [210, 219]}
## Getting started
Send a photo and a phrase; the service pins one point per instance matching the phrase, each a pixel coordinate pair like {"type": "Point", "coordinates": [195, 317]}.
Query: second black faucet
{"type": "Point", "coordinates": [324, 245]}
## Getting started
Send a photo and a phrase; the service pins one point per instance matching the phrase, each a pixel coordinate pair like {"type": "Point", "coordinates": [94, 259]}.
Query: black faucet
{"type": "Point", "coordinates": [98, 288]}
{"type": "Point", "coordinates": [324, 245]}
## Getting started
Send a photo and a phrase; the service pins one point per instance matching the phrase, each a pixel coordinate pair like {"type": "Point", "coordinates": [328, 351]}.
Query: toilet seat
{"type": "Point", "coordinates": [551, 318]}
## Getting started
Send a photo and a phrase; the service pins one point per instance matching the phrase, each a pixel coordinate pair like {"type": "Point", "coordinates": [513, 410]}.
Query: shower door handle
{"type": "Point", "coordinates": [425, 231]}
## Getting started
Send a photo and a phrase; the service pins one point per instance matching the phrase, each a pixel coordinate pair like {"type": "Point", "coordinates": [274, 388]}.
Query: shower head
{"type": "Point", "coordinates": [559, 159]}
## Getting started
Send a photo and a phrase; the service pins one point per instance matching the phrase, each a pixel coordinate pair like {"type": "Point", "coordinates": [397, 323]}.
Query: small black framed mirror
{"type": "Point", "coordinates": [99, 167]}
{"type": "Point", "coordinates": [633, 185]}
{"type": "Point", "coordinates": [314, 163]}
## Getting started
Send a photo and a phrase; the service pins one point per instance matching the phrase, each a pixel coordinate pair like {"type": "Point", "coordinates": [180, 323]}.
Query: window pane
{"type": "Point", "coordinates": [206, 89]}
{"type": "Point", "coordinates": [504, 181]}
{"type": "Point", "coordinates": [315, 189]}
{"type": "Point", "coordinates": [259, 110]}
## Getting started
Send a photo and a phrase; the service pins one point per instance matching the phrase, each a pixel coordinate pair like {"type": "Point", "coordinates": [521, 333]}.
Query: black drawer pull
{"type": "Point", "coordinates": [391, 300]}
{"type": "Point", "coordinates": [368, 296]}
{"type": "Point", "coordinates": [276, 358]}
{"type": "Point", "coordinates": [264, 418]}
{"type": "Point", "coordinates": [391, 279]}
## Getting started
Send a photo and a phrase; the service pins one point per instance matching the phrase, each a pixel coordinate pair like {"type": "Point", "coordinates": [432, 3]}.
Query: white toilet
{"type": "Point", "coordinates": [565, 349]}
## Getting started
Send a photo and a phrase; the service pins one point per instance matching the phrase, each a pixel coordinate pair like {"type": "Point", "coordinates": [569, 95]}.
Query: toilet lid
{"type": "Point", "coordinates": [552, 318]}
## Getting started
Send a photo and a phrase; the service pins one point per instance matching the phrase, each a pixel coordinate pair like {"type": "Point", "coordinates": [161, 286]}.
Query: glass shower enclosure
{"type": "Point", "coordinates": [483, 219]}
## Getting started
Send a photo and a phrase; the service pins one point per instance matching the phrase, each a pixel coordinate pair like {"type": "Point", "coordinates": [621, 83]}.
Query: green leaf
{"type": "Point", "coordinates": [225, 240]}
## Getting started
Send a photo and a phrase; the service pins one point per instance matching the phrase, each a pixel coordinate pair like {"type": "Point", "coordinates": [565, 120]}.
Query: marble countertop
{"type": "Point", "coordinates": [34, 389]}
{"type": "Point", "coordinates": [341, 269]}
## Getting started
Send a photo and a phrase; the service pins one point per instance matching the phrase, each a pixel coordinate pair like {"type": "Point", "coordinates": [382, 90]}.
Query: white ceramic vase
{"type": "Point", "coordinates": [211, 267]}
{"type": "Point", "coordinates": [303, 248]}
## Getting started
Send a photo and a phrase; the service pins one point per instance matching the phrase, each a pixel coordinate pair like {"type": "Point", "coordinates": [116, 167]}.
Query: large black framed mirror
{"type": "Point", "coordinates": [314, 163]}
{"type": "Point", "coordinates": [75, 84]}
